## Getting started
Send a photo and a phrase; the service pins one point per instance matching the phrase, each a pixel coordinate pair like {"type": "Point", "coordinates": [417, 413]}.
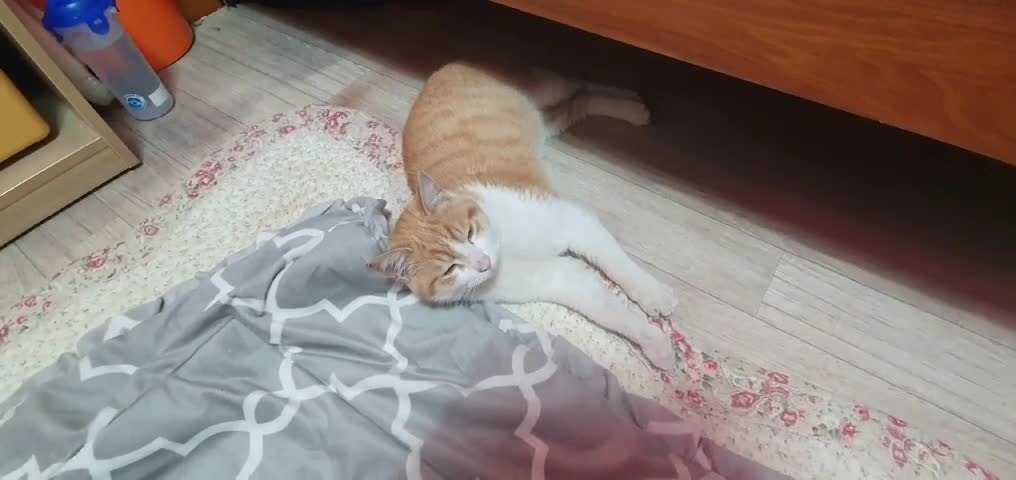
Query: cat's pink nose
{"type": "Point", "coordinates": [483, 264]}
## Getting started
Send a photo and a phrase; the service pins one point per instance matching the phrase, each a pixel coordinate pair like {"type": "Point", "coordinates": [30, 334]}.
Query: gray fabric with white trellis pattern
{"type": "Point", "coordinates": [291, 360]}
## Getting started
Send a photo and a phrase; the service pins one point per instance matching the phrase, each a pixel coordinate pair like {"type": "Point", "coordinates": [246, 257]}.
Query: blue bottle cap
{"type": "Point", "coordinates": [64, 14]}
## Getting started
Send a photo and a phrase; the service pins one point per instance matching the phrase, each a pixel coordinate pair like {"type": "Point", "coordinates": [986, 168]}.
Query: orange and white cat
{"type": "Point", "coordinates": [485, 223]}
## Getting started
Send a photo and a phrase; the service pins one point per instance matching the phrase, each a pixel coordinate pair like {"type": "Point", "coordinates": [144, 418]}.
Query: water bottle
{"type": "Point", "coordinates": [92, 31]}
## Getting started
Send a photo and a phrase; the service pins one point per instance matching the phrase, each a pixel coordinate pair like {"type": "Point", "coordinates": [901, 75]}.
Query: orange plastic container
{"type": "Point", "coordinates": [157, 27]}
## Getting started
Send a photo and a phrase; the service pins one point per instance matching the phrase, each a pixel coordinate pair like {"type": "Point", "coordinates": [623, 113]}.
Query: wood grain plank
{"type": "Point", "coordinates": [311, 70]}
{"type": "Point", "coordinates": [991, 320]}
{"type": "Point", "coordinates": [135, 195]}
{"type": "Point", "coordinates": [164, 164]}
{"type": "Point", "coordinates": [961, 372]}
{"type": "Point", "coordinates": [714, 325]}
{"type": "Point", "coordinates": [226, 86]}
{"type": "Point", "coordinates": [104, 226]}
{"type": "Point", "coordinates": [193, 130]}
{"type": "Point", "coordinates": [125, 202]}
{"type": "Point", "coordinates": [330, 68]}
{"type": "Point", "coordinates": [48, 245]}
{"type": "Point", "coordinates": [277, 83]}
{"type": "Point", "coordinates": [54, 244]}
{"type": "Point", "coordinates": [720, 260]}
{"type": "Point", "coordinates": [939, 68]}
{"type": "Point", "coordinates": [373, 88]}
{"type": "Point", "coordinates": [410, 60]}
{"type": "Point", "coordinates": [18, 276]}
{"type": "Point", "coordinates": [81, 229]}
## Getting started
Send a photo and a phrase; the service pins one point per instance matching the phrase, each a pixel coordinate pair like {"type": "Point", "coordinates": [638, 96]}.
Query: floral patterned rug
{"type": "Point", "coordinates": [265, 177]}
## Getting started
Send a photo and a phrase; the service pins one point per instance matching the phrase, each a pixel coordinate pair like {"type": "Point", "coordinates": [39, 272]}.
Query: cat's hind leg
{"type": "Point", "coordinates": [611, 91]}
{"type": "Point", "coordinates": [570, 282]}
{"type": "Point", "coordinates": [546, 88]}
{"type": "Point", "coordinates": [565, 101]}
{"type": "Point", "coordinates": [562, 116]}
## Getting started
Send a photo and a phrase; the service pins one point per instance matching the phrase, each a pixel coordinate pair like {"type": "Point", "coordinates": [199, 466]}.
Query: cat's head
{"type": "Point", "coordinates": [443, 250]}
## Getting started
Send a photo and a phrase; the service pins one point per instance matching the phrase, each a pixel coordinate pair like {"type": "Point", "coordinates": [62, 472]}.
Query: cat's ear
{"type": "Point", "coordinates": [431, 195]}
{"type": "Point", "coordinates": [393, 264]}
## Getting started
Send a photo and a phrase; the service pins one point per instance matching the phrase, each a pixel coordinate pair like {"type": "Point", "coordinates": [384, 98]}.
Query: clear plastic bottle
{"type": "Point", "coordinates": [91, 30]}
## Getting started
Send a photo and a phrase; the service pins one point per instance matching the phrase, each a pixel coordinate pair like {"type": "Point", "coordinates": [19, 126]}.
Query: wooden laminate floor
{"type": "Point", "coordinates": [876, 264]}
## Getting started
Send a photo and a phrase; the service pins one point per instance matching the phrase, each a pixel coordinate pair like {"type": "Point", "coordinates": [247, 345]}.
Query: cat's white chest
{"type": "Point", "coordinates": [526, 224]}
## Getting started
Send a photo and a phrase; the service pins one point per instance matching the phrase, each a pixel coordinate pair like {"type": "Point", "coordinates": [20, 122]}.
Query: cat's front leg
{"type": "Point", "coordinates": [570, 282]}
{"type": "Point", "coordinates": [581, 233]}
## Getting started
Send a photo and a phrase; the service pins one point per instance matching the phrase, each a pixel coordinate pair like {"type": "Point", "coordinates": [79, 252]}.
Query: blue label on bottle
{"type": "Point", "coordinates": [134, 102]}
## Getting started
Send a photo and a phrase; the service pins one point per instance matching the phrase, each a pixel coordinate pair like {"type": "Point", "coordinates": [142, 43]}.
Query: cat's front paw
{"type": "Point", "coordinates": [658, 348]}
{"type": "Point", "coordinates": [655, 298]}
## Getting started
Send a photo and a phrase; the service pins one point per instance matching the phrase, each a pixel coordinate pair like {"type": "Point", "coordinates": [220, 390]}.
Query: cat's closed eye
{"type": "Point", "coordinates": [451, 269]}
{"type": "Point", "coordinates": [469, 234]}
